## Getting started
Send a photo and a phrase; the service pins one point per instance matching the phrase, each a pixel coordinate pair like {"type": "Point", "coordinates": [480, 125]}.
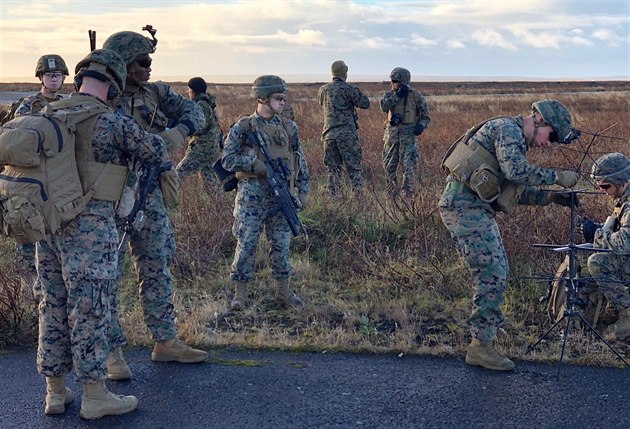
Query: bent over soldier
{"type": "Point", "coordinates": [77, 268]}
{"type": "Point", "coordinates": [340, 133]}
{"type": "Point", "coordinates": [407, 117]}
{"type": "Point", "coordinates": [255, 209]}
{"type": "Point", "coordinates": [158, 109]}
{"type": "Point", "coordinates": [488, 171]}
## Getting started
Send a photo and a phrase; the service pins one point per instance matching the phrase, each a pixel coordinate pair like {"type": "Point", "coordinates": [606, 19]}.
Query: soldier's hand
{"type": "Point", "coordinates": [418, 129]}
{"type": "Point", "coordinates": [402, 92]}
{"type": "Point", "coordinates": [259, 168]}
{"type": "Point", "coordinates": [303, 200]}
{"type": "Point", "coordinates": [587, 227]}
{"type": "Point", "coordinates": [174, 138]}
{"type": "Point", "coordinates": [567, 178]}
{"type": "Point", "coordinates": [566, 199]}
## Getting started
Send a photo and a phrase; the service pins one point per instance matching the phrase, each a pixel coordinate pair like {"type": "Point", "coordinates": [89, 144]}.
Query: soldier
{"type": "Point", "coordinates": [77, 268]}
{"type": "Point", "coordinates": [158, 109]}
{"type": "Point", "coordinates": [51, 70]}
{"type": "Point", "coordinates": [407, 118]}
{"type": "Point", "coordinates": [489, 172]}
{"type": "Point", "coordinates": [612, 269]}
{"type": "Point", "coordinates": [340, 133]}
{"type": "Point", "coordinates": [203, 146]}
{"type": "Point", "coordinates": [255, 208]}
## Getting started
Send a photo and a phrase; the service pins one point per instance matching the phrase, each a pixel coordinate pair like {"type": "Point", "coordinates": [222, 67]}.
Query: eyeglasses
{"type": "Point", "coordinates": [279, 98]}
{"type": "Point", "coordinates": [553, 137]}
{"type": "Point", "coordinates": [395, 81]}
{"type": "Point", "coordinates": [604, 185]}
{"type": "Point", "coordinates": [53, 75]}
{"type": "Point", "coordinates": [144, 62]}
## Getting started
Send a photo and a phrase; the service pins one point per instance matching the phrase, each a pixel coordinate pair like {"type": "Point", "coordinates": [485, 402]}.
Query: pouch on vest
{"type": "Point", "coordinates": [22, 220]}
{"type": "Point", "coordinates": [485, 182]}
{"type": "Point", "coordinates": [169, 184]}
{"type": "Point", "coordinates": [509, 197]}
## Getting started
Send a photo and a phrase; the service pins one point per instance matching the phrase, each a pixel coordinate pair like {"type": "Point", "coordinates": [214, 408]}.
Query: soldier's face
{"type": "Point", "coordinates": [140, 69]}
{"type": "Point", "coordinates": [53, 80]}
{"type": "Point", "coordinates": [612, 189]}
{"type": "Point", "coordinates": [277, 102]}
{"type": "Point", "coordinates": [396, 85]}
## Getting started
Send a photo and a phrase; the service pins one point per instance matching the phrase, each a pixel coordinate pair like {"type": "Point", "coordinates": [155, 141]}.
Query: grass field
{"type": "Point", "coordinates": [376, 275]}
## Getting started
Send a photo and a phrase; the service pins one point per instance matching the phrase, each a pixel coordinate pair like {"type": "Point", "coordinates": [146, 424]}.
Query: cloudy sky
{"type": "Point", "coordinates": [234, 40]}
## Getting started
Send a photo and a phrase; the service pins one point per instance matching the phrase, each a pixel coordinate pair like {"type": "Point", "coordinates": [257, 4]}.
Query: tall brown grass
{"type": "Point", "coordinates": [380, 275]}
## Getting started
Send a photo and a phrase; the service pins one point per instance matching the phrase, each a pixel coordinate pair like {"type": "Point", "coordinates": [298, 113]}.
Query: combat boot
{"type": "Point", "coordinates": [176, 351]}
{"type": "Point", "coordinates": [97, 402]}
{"type": "Point", "coordinates": [482, 353]}
{"type": "Point", "coordinates": [117, 368]}
{"type": "Point", "coordinates": [239, 301]}
{"type": "Point", "coordinates": [57, 395]}
{"type": "Point", "coordinates": [621, 328]}
{"type": "Point", "coordinates": [284, 296]}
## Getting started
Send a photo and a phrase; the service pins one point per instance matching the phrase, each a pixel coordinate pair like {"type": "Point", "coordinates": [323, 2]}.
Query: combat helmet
{"type": "Point", "coordinates": [268, 84]}
{"type": "Point", "coordinates": [130, 45]}
{"type": "Point", "coordinates": [558, 117]}
{"type": "Point", "coordinates": [612, 168]}
{"type": "Point", "coordinates": [103, 64]}
{"type": "Point", "coordinates": [402, 75]}
{"type": "Point", "coordinates": [49, 63]}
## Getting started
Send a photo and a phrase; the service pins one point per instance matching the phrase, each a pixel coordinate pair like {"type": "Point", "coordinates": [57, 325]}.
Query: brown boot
{"type": "Point", "coordinates": [97, 402]}
{"type": "Point", "coordinates": [57, 395]}
{"type": "Point", "coordinates": [621, 328]}
{"type": "Point", "coordinates": [117, 368]}
{"type": "Point", "coordinates": [482, 353]}
{"type": "Point", "coordinates": [176, 351]}
{"type": "Point", "coordinates": [239, 301]}
{"type": "Point", "coordinates": [284, 296]}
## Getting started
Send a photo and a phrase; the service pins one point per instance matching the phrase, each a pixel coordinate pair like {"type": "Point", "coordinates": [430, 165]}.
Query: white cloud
{"type": "Point", "coordinates": [416, 39]}
{"type": "Point", "coordinates": [455, 44]}
{"type": "Point", "coordinates": [607, 36]}
{"type": "Point", "coordinates": [492, 38]}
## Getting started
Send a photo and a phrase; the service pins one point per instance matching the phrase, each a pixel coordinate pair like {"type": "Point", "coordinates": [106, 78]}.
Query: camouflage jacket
{"type": "Point", "coordinates": [416, 109]}
{"type": "Point", "coordinates": [617, 239]}
{"type": "Point", "coordinates": [211, 132]}
{"type": "Point", "coordinates": [156, 107]}
{"type": "Point", "coordinates": [34, 103]}
{"type": "Point", "coordinates": [339, 100]}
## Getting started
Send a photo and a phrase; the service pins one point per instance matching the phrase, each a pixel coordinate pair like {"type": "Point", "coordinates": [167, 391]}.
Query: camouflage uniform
{"type": "Point", "coordinates": [203, 146]}
{"type": "Point", "coordinates": [340, 132]}
{"type": "Point", "coordinates": [154, 106]}
{"type": "Point", "coordinates": [472, 223]}
{"type": "Point", "coordinates": [77, 268]}
{"type": "Point", "coordinates": [255, 208]}
{"type": "Point", "coordinates": [400, 140]}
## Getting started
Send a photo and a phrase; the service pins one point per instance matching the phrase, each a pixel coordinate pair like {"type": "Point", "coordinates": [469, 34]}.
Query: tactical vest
{"type": "Point", "coordinates": [471, 164]}
{"type": "Point", "coordinates": [407, 109]}
{"type": "Point", "coordinates": [144, 106]}
{"type": "Point", "coordinates": [279, 143]}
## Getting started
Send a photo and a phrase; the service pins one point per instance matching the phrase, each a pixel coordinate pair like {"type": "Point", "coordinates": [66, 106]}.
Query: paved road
{"type": "Point", "coordinates": [262, 389]}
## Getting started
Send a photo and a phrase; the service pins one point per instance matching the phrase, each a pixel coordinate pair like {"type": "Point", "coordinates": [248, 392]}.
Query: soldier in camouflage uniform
{"type": "Point", "coordinates": [203, 146]}
{"type": "Point", "coordinates": [77, 268]}
{"type": "Point", "coordinates": [158, 109]}
{"type": "Point", "coordinates": [489, 172]}
{"type": "Point", "coordinates": [51, 70]}
{"type": "Point", "coordinates": [340, 133]}
{"type": "Point", "coordinates": [255, 208]}
{"type": "Point", "coordinates": [612, 269]}
{"type": "Point", "coordinates": [407, 118]}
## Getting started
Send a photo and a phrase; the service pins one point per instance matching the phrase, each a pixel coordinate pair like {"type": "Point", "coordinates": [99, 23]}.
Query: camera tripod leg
{"type": "Point", "coordinates": [612, 349]}
{"type": "Point", "coordinates": [542, 337]}
{"type": "Point", "coordinates": [564, 345]}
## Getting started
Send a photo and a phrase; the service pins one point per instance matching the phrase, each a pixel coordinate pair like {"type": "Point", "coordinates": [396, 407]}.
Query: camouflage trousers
{"type": "Point", "coordinates": [340, 152]}
{"type": "Point", "coordinates": [77, 273]}
{"type": "Point", "coordinates": [400, 145]}
{"type": "Point", "coordinates": [199, 157]}
{"type": "Point", "coordinates": [247, 229]}
{"type": "Point", "coordinates": [471, 223]}
{"type": "Point", "coordinates": [25, 264]}
{"type": "Point", "coordinates": [152, 250]}
{"type": "Point", "coordinates": [610, 271]}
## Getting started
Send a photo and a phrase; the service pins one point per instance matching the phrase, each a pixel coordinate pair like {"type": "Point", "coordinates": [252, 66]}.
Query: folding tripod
{"type": "Point", "coordinates": [572, 308]}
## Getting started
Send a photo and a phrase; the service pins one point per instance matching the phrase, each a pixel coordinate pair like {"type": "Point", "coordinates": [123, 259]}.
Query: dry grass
{"type": "Point", "coordinates": [376, 275]}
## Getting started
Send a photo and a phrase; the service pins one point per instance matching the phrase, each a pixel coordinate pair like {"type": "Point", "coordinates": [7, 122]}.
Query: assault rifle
{"type": "Point", "coordinates": [149, 179]}
{"type": "Point", "coordinates": [278, 177]}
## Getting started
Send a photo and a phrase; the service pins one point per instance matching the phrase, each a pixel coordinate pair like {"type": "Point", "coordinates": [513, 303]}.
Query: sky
{"type": "Point", "coordinates": [235, 41]}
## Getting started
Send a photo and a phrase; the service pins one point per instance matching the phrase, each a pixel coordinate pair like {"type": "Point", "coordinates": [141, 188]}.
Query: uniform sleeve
{"type": "Point", "coordinates": [422, 110]}
{"type": "Point", "coordinates": [359, 99]}
{"type": "Point", "coordinates": [233, 157]}
{"type": "Point", "coordinates": [137, 143]}
{"type": "Point", "coordinates": [618, 241]}
{"type": "Point", "coordinates": [511, 152]}
{"type": "Point", "coordinates": [24, 108]}
{"type": "Point", "coordinates": [389, 100]}
{"type": "Point", "coordinates": [180, 110]}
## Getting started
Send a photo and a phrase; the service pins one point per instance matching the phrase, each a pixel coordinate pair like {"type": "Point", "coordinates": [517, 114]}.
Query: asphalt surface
{"type": "Point", "coordinates": [266, 389]}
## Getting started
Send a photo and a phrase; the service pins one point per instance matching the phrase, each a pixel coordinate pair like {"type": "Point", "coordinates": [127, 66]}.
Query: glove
{"type": "Point", "coordinates": [418, 129]}
{"type": "Point", "coordinates": [303, 200]}
{"type": "Point", "coordinates": [259, 168]}
{"type": "Point", "coordinates": [566, 199]}
{"type": "Point", "coordinates": [174, 138]}
{"type": "Point", "coordinates": [587, 227]}
{"type": "Point", "coordinates": [402, 92]}
{"type": "Point", "coordinates": [567, 178]}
